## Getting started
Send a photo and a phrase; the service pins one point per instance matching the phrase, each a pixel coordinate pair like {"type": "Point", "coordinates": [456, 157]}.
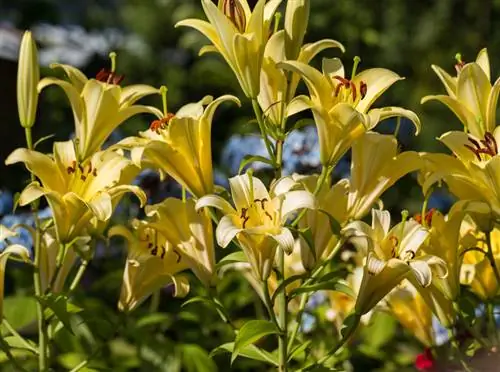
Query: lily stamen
{"type": "Point", "coordinates": [236, 14]}
{"type": "Point", "coordinates": [488, 146]}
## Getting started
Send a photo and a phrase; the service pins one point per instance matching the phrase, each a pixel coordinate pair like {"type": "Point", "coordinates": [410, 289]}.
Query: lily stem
{"type": "Point", "coordinates": [37, 280]}
{"type": "Point", "coordinates": [78, 276]}
{"type": "Point", "coordinates": [21, 339]}
{"type": "Point", "coordinates": [262, 127]}
{"type": "Point", "coordinates": [491, 257]}
{"type": "Point", "coordinates": [282, 313]}
{"type": "Point", "coordinates": [269, 305]}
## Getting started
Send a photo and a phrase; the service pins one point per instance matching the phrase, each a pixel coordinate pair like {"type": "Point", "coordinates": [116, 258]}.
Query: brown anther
{"type": "Point", "coordinates": [363, 89]}
{"type": "Point", "coordinates": [94, 172]}
{"type": "Point", "coordinates": [80, 168]}
{"type": "Point", "coordinates": [106, 76]}
{"type": "Point", "coordinates": [83, 177]}
{"type": "Point", "coordinates": [71, 169]}
{"type": "Point", "coordinates": [161, 124]}
{"type": "Point", "coordinates": [427, 217]}
{"type": "Point", "coordinates": [178, 256]}
{"type": "Point", "coordinates": [150, 245]}
{"type": "Point", "coordinates": [459, 66]}
{"type": "Point", "coordinates": [487, 146]}
{"type": "Point", "coordinates": [353, 89]}
{"type": "Point", "coordinates": [154, 251]}
{"type": "Point", "coordinates": [163, 251]}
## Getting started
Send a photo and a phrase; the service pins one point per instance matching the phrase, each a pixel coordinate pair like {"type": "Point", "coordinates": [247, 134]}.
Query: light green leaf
{"type": "Point", "coordinates": [249, 351]}
{"type": "Point", "coordinates": [20, 311]}
{"type": "Point", "coordinates": [60, 307]}
{"type": "Point", "coordinates": [285, 283]}
{"type": "Point", "coordinates": [234, 257]}
{"type": "Point", "coordinates": [324, 286]}
{"type": "Point", "coordinates": [196, 359]}
{"type": "Point", "coordinates": [155, 319]}
{"type": "Point", "coordinates": [247, 159]}
{"type": "Point", "coordinates": [251, 332]}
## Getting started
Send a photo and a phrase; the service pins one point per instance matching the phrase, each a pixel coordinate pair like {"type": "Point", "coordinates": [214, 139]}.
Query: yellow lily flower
{"type": "Point", "coordinates": [476, 270]}
{"type": "Point", "coordinates": [189, 232]}
{"type": "Point", "coordinates": [471, 96]}
{"type": "Point", "coordinates": [473, 173]}
{"type": "Point", "coordinates": [273, 80]}
{"type": "Point", "coordinates": [239, 35]}
{"type": "Point", "coordinates": [99, 107]}
{"type": "Point", "coordinates": [182, 146]}
{"type": "Point", "coordinates": [28, 75]}
{"type": "Point", "coordinates": [341, 107]}
{"type": "Point", "coordinates": [445, 242]}
{"type": "Point", "coordinates": [333, 201]}
{"type": "Point", "coordinates": [410, 309]}
{"type": "Point", "coordinates": [258, 218]}
{"type": "Point", "coordinates": [152, 263]}
{"type": "Point", "coordinates": [77, 191]}
{"type": "Point", "coordinates": [13, 249]}
{"type": "Point", "coordinates": [296, 20]}
{"type": "Point", "coordinates": [391, 256]}
{"type": "Point", "coordinates": [376, 165]}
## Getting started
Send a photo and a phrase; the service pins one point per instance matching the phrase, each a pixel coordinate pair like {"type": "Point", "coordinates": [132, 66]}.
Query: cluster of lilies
{"type": "Point", "coordinates": [297, 225]}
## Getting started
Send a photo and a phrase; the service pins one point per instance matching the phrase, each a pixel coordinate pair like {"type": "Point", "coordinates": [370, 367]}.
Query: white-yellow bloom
{"type": "Point", "coordinates": [391, 256]}
{"type": "Point", "coordinates": [258, 218]}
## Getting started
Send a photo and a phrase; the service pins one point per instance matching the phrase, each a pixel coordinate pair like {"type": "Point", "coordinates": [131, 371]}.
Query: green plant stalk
{"type": "Point", "coordinates": [155, 301]}
{"type": "Point", "coordinates": [305, 296]}
{"type": "Point", "coordinates": [282, 316]}
{"type": "Point", "coordinates": [258, 115]}
{"type": "Point", "coordinates": [491, 323]}
{"type": "Point", "coordinates": [37, 280]}
{"type": "Point", "coordinates": [11, 357]}
{"type": "Point", "coordinates": [14, 333]}
{"type": "Point", "coordinates": [269, 305]}
{"type": "Point", "coordinates": [78, 276]}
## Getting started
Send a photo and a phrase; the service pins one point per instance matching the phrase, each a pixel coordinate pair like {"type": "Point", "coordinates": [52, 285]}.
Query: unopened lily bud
{"type": "Point", "coordinates": [28, 75]}
{"type": "Point", "coordinates": [296, 20]}
{"type": "Point", "coordinates": [235, 12]}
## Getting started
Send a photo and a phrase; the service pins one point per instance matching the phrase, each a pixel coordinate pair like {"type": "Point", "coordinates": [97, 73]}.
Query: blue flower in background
{"type": "Point", "coordinates": [441, 335]}
{"type": "Point", "coordinates": [6, 202]}
{"type": "Point", "coordinates": [237, 147]}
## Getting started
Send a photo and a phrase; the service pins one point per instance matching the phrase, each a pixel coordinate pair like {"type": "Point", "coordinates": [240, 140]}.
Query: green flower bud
{"type": "Point", "coordinates": [28, 75]}
{"type": "Point", "coordinates": [296, 20]}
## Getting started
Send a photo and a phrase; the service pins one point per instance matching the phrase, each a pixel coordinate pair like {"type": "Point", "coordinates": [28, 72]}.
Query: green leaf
{"type": "Point", "coordinates": [15, 200]}
{"type": "Point", "coordinates": [334, 224]}
{"type": "Point", "coordinates": [299, 349]}
{"type": "Point", "coordinates": [381, 330]}
{"type": "Point", "coordinates": [196, 359]}
{"type": "Point", "coordinates": [60, 307]}
{"type": "Point", "coordinates": [333, 285]}
{"type": "Point", "coordinates": [155, 319]}
{"type": "Point", "coordinates": [15, 343]}
{"type": "Point", "coordinates": [20, 311]}
{"type": "Point", "coordinates": [250, 352]}
{"type": "Point", "coordinates": [234, 257]}
{"type": "Point", "coordinates": [251, 332]}
{"type": "Point", "coordinates": [350, 324]}
{"type": "Point", "coordinates": [42, 139]}
{"type": "Point", "coordinates": [307, 235]}
{"type": "Point", "coordinates": [285, 283]}
{"type": "Point", "coordinates": [300, 124]}
{"type": "Point", "coordinates": [247, 159]}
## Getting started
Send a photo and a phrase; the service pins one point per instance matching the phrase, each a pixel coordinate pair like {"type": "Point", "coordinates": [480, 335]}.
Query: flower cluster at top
{"type": "Point", "coordinates": [299, 224]}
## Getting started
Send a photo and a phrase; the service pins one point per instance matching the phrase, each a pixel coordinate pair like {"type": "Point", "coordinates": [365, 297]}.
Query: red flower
{"type": "Point", "coordinates": [424, 361]}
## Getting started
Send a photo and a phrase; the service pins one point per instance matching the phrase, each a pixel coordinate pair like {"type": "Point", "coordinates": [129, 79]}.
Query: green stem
{"type": "Point", "coordinates": [221, 310]}
{"type": "Point", "coordinates": [11, 357]}
{"type": "Point", "coordinates": [262, 127]}
{"type": "Point", "coordinates": [21, 339]}
{"type": "Point", "coordinates": [282, 312]}
{"type": "Point", "coordinates": [492, 323]}
{"type": "Point", "coordinates": [269, 305]}
{"type": "Point", "coordinates": [78, 276]}
{"type": "Point", "coordinates": [37, 280]}
{"type": "Point", "coordinates": [303, 302]}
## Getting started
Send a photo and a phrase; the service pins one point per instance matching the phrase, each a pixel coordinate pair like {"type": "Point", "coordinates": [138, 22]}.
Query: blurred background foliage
{"type": "Point", "coordinates": [404, 36]}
